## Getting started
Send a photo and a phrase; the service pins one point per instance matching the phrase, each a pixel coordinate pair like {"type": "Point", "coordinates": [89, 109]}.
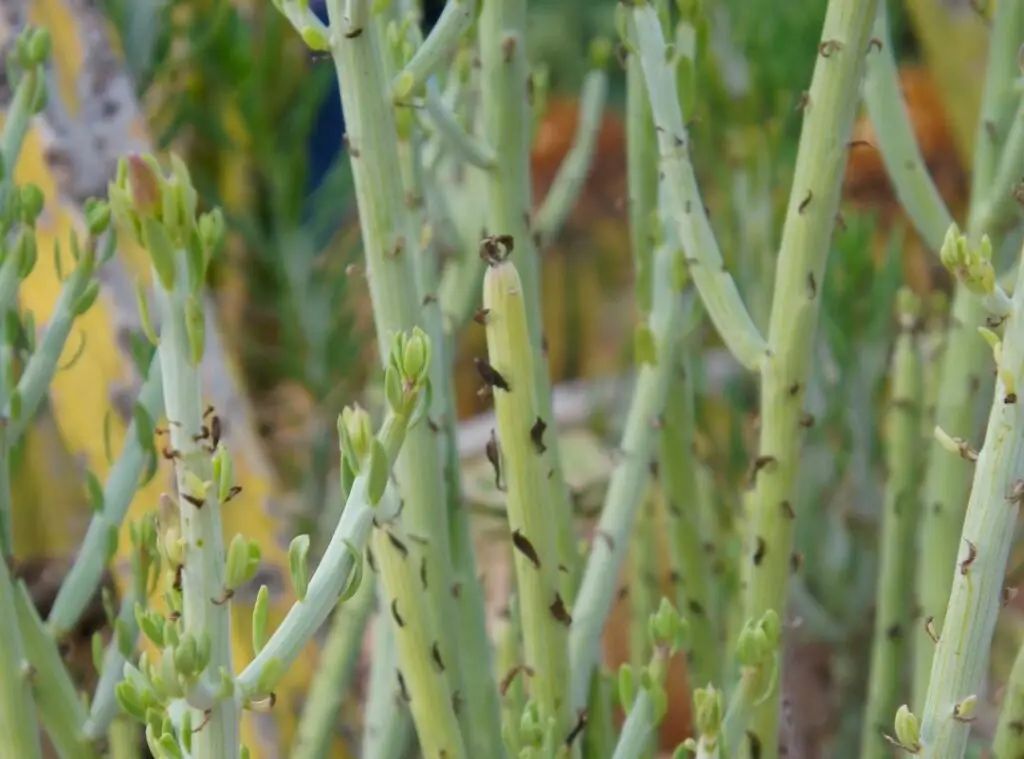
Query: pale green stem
{"type": "Point", "coordinates": [961, 654]}
{"type": "Point", "coordinates": [103, 708]}
{"type": "Point", "coordinates": [468, 148]}
{"type": "Point", "coordinates": [124, 738]}
{"type": "Point", "coordinates": [962, 390]}
{"type": "Point", "coordinates": [806, 242]}
{"type": "Point", "coordinates": [330, 579]}
{"type": "Point", "coordinates": [1009, 739]}
{"type": "Point", "coordinates": [523, 438]}
{"type": "Point", "coordinates": [58, 704]}
{"type": "Point", "coordinates": [18, 721]}
{"type": "Point", "coordinates": [687, 544]}
{"type": "Point", "coordinates": [600, 736]}
{"type": "Point", "coordinates": [401, 565]}
{"type": "Point", "coordinates": [391, 244]}
{"type": "Point", "coordinates": [85, 574]}
{"type": "Point", "coordinates": [628, 480]}
{"type": "Point", "coordinates": [642, 168]}
{"type": "Point", "coordinates": [895, 585]}
{"type": "Point", "coordinates": [716, 286]}
{"type": "Point", "coordinates": [507, 121]}
{"type": "Point", "coordinates": [638, 731]}
{"type": "Point", "coordinates": [887, 110]}
{"type": "Point", "coordinates": [574, 169]}
{"type": "Point", "coordinates": [511, 676]}
{"type": "Point", "coordinates": [455, 20]}
{"type": "Point", "coordinates": [201, 529]}
{"type": "Point", "coordinates": [335, 672]}
{"type": "Point", "coordinates": [742, 702]}
{"type": "Point", "coordinates": [41, 367]}
{"type": "Point", "coordinates": [387, 728]}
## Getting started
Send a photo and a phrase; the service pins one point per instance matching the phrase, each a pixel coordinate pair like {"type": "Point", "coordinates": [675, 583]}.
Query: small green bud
{"type": "Point", "coordinates": [87, 299]}
{"type": "Point", "coordinates": [212, 231]}
{"type": "Point", "coordinates": [260, 613]}
{"type": "Point", "coordinates": [160, 249]}
{"type": "Point", "coordinates": [129, 700]}
{"type": "Point", "coordinates": [416, 356]}
{"type": "Point", "coordinates": [377, 474]}
{"type": "Point", "coordinates": [298, 565]}
{"type": "Point", "coordinates": [97, 216]}
{"type": "Point", "coordinates": [186, 730]}
{"type": "Point", "coordinates": [964, 710]}
{"type": "Point", "coordinates": [146, 321]}
{"type": "Point", "coordinates": [224, 469]}
{"type": "Point", "coordinates": [627, 685]}
{"type": "Point", "coordinates": [708, 710]}
{"type": "Point", "coordinates": [151, 624]}
{"type": "Point", "coordinates": [186, 657]}
{"type": "Point", "coordinates": [908, 729]}
{"type": "Point", "coordinates": [32, 201]}
{"type": "Point", "coordinates": [600, 52]}
{"type": "Point", "coordinates": [315, 39]}
{"type": "Point", "coordinates": [243, 560]}
{"type": "Point", "coordinates": [771, 626]}
{"type": "Point", "coordinates": [38, 46]}
{"type": "Point", "coordinates": [403, 86]}
{"type": "Point", "coordinates": [98, 653]}
{"type": "Point", "coordinates": [357, 429]}
{"type": "Point", "coordinates": [26, 252]}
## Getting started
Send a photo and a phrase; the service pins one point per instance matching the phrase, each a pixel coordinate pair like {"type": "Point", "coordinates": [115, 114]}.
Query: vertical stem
{"type": "Point", "coordinates": [894, 609]}
{"type": "Point", "coordinates": [18, 723]}
{"type": "Point", "coordinates": [806, 240]}
{"type": "Point", "coordinates": [507, 128]}
{"type": "Point", "coordinates": [201, 530]}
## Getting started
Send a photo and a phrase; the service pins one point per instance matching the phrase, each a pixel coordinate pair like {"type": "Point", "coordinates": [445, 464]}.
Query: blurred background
{"type": "Point", "coordinates": [229, 86]}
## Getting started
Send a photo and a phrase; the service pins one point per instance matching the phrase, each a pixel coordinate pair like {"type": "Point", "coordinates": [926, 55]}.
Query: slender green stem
{"type": "Point", "coordinates": [961, 653]}
{"type": "Point", "coordinates": [716, 286]}
{"type": "Point", "coordinates": [523, 438]}
{"type": "Point", "coordinates": [914, 186]}
{"type": "Point", "coordinates": [687, 543]}
{"type": "Point", "coordinates": [387, 726]}
{"type": "Point", "coordinates": [572, 173]}
{"type": "Point", "coordinates": [455, 20]}
{"type": "Point", "coordinates": [401, 566]}
{"type": "Point", "coordinates": [806, 241]}
{"type": "Point", "coordinates": [201, 527]}
{"type": "Point", "coordinates": [18, 722]}
{"type": "Point", "coordinates": [334, 676]}
{"type": "Point", "coordinates": [58, 704]}
{"type": "Point", "coordinates": [391, 243]}
{"type": "Point", "coordinates": [1009, 738]}
{"type": "Point", "coordinates": [505, 103]}
{"type": "Point", "coordinates": [642, 168]}
{"type": "Point", "coordinates": [628, 480]}
{"type": "Point", "coordinates": [85, 574]}
{"type": "Point", "coordinates": [963, 390]}
{"type": "Point", "coordinates": [893, 611]}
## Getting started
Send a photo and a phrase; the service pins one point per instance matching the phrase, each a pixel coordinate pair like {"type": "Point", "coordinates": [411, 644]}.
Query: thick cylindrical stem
{"type": "Point", "coordinates": [203, 611]}
{"type": "Point", "coordinates": [962, 650]}
{"type": "Point", "coordinates": [806, 240]}
{"type": "Point", "coordinates": [504, 98]}
{"type": "Point", "coordinates": [523, 438]}
{"type": "Point", "coordinates": [18, 722]}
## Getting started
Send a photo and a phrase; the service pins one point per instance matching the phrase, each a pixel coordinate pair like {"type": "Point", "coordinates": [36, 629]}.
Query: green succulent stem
{"type": "Point", "coordinates": [203, 572]}
{"type": "Point", "coordinates": [1008, 742]}
{"type": "Point", "coordinates": [387, 726]}
{"type": "Point", "coordinates": [895, 585]}
{"type": "Point", "coordinates": [18, 721]}
{"type": "Point", "coordinates": [687, 543]}
{"type": "Point", "coordinates": [806, 242]}
{"type": "Point", "coordinates": [507, 126]}
{"type": "Point", "coordinates": [915, 189]}
{"type": "Point", "coordinates": [391, 243]}
{"type": "Point", "coordinates": [401, 567]}
{"type": "Point", "coordinates": [453, 23]}
{"type": "Point", "coordinates": [58, 704]}
{"type": "Point", "coordinates": [86, 572]}
{"type": "Point", "coordinates": [961, 653]}
{"type": "Point", "coordinates": [334, 677]}
{"type": "Point", "coordinates": [336, 571]}
{"type": "Point", "coordinates": [716, 286]}
{"type": "Point", "coordinates": [522, 439]}
{"type": "Point", "coordinates": [668, 323]}
{"type": "Point", "coordinates": [962, 390]}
